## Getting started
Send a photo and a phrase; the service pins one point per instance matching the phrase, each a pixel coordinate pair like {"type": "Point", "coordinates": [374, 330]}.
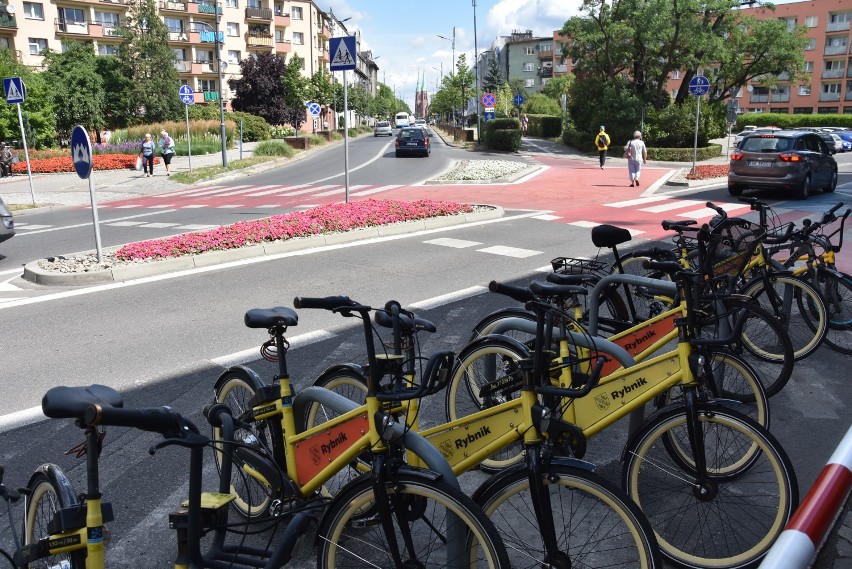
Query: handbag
{"type": "Point", "coordinates": [138, 163]}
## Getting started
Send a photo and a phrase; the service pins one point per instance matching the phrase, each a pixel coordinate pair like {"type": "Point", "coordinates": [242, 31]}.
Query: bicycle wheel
{"type": "Point", "coordinates": [493, 322]}
{"type": "Point", "coordinates": [763, 344]}
{"type": "Point", "coordinates": [597, 525]}
{"type": "Point", "coordinates": [423, 510]}
{"type": "Point", "coordinates": [735, 380]}
{"type": "Point", "coordinates": [488, 361]}
{"type": "Point", "coordinates": [235, 389]}
{"type": "Point", "coordinates": [646, 302]}
{"type": "Point", "coordinates": [733, 519]}
{"type": "Point", "coordinates": [836, 290]}
{"type": "Point", "coordinates": [49, 491]}
{"type": "Point", "coordinates": [797, 305]}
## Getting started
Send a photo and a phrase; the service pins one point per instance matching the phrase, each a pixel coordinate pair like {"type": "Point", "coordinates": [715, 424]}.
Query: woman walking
{"type": "Point", "coordinates": [147, 154]}
{"type": "Point", "coordinates": [636, 154]}
{"type": "Point", "coordinates": [167, 150]}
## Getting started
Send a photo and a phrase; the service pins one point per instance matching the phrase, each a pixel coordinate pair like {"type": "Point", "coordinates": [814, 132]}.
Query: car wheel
{"type": "Point", "coordinates": [735, 191]}
{"type": "Point", "coordinates": [805, 190]}
{"type": "Point", "coordinates": [398, 154]}
{"type": "Point", "coordinates": [832, 185]}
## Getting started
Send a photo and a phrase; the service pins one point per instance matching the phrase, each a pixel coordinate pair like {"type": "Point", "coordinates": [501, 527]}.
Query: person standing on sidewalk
{"type": "Point", "coordinates": [602, 143]}
{"type": "Point", "coordinates": [636, 154]}
{"type": "Point", "coordinates": [147, 154]}
{"type": "Point", "coordinates": [167, 150]}
{"type": "Point", "coordinates": [525, 122]}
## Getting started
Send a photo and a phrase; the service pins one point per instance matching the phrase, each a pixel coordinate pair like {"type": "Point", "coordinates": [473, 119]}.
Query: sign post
{"type": "Point", "coordinates": [343, 58]}
{"type": "Point", "coordinates": [187, 97]}
{"type": "Point", "coordinates": [698, 86]}
{"type": "Point", "coordinates": [81, 155]}
{"type": "Point", "coordinates": [16, 92]}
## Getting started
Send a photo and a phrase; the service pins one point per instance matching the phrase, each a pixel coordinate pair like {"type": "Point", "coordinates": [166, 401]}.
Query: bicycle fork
{"type": "Point", "coordinates": [554, 557]}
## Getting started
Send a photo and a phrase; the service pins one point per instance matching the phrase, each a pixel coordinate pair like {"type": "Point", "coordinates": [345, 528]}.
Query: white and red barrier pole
{"type": "Point", "coordinates": [797, 545]}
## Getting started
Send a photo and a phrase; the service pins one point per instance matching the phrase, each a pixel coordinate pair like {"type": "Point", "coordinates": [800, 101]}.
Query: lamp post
{"type": "Point", "coordinates": [222, 132]}
{"type": "Point", "coordinates": [476, 79]}
{"type": "Point", "coordinates": [453, 66]}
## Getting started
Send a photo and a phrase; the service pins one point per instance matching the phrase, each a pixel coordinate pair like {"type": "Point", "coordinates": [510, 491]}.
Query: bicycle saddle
{"type": "Point", "coordinates": [609, 236]}
{"type": "Point", "coordinates": [271, 317]}
{"type": "Point", "coordinates": [71, 402]}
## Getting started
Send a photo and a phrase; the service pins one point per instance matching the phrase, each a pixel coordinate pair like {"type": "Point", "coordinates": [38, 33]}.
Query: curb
{"type": "Point", "coordinates": [35, 274]}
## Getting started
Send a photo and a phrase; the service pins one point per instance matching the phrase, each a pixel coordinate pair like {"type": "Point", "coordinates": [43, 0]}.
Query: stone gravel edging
{"type": "Point", "coordinates": [34, 273]}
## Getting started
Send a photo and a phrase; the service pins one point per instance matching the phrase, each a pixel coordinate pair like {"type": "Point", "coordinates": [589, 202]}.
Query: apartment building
{"type": "Point", "coordinates": [244, 27]}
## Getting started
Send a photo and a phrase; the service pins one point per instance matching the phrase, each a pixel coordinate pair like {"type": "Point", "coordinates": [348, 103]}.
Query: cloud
{"type": "Point", "coordinates": [543, 17]}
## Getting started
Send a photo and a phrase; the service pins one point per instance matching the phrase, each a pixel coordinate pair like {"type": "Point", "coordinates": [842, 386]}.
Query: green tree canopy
{"type": "Point", "coordinates": [541, 104]}
{"type": "Point", "coordinates": [295, 92]}
{"type": "Point", "coordinates": [260, 90]}
{"type": "Point", "coordinates": [494, 77]}
{"type": "Point", "coordinates": [37, 107]}
{"type": "Point", "coordinates": [77, 87]}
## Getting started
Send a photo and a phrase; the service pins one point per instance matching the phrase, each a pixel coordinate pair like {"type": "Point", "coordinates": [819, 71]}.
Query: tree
{"type": "Point", "coordinates": [494, 77]}
{"type": "Point", "coordinates": [77, 88]}
{"type": "Point", "coordinates": [295, 92]}
{"type": "Point", "coordinates": [557, 86]}
{"type": "Point", "coordinates": [541, 104]}
{"type": "Point", "coordinates": [37, 106]}
{"type": "Point", "coordinates": [505, 100]}
{"type": "Point", "coordinates": [321, 89]}
{"type": "Point", "coordinates": [118, 100]}
{"type": "Point", "coordinates": [149, 63]}
{"type": "Point", "coordinates": [260, 90]}
{"type": "Point", "coordinates": [461, 84]}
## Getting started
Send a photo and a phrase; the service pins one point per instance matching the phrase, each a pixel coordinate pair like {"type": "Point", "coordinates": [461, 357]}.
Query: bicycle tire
{"type": "Point", "coordinates": [48, 491]}
{"type": "Point", "coordinates": [488, 324]}
{"type": "Point", "coordinates": [763, 343]}
{"type": "Point", "coordinates": [643, 301]}
{"type": "Point", "coordinates": [235, 388]}
{"type": "Point", "coordinates": [744, 509]}
{"type": "Point", "coordinates": [836, 290]}
{"type": "Point", "coordinates": [345, 540]}
{"type": "Point", "coordinates": [597, 524]}
{"type": "Point", "coordinates": [801, 310]}
{"type": "Point", "coordinates": [735, 380]}
{"type": "Point", "coordinates": [488, 359]}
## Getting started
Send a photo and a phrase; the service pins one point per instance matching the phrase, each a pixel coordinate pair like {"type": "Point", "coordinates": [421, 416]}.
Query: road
{"type": "Point", "coordinates": [164, 340]}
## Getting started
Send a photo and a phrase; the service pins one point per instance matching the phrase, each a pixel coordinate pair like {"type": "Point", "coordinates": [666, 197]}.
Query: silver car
{"type": "Point", "coordinates": [383, 128]}
{"type": "Point", "coordinates": [7, 224]}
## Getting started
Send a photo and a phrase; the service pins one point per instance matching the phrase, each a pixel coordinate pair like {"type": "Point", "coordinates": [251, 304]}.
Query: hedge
{"type": "Point", "coordinates": [503, 134]}
{"type": "Point", "coordinates": [784, 120]}
{"type": "Point", "coordinates": [579, 141]}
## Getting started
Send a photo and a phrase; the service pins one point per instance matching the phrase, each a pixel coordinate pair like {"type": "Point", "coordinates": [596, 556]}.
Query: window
{"type": "Point", "coordinates": [4, 43]}
{"type": "Point", "coordinates": [676, 74]}
{"type": "Point", "coordinates": [803, 111]}
{"type": "Point", "coordinates": [804, 90]}
{"type": "Point", "coordinates": [528, 66]}
{"type": "Point", "coordinates": [529, 83]}
{"type": "Point", "coordinates": [279, 36]}
{"type": "Point", "coordinates": [836, 41]}
{"type": "Point", "coordinates": [180, 53]}
{"type": "Point", "coordinates": [811, 45]}
{"type": "Point", "coordinates": [827, 111]}
{"type": "Point", "coordinates": [175, 25]}
{"type": "Point", "coordinates": [811, 21]}
{"type": "Point", "coordinates": [232, 4]}
{"type": "Point", "coordinates": [206, 85]}
{"type": "Point", "coordinates": [831, 88]}
{"type": "Point", "coordinates": [33, 11]}
{"type": "Point", "coordinates": [204, 56]}
{"type": "Point", "coordinates": [37, 45]}
{"type": "Point", "coordinates": [254, 4]}
{"type": "Point", "coordinates": [791, 23]}
{"type": "Point", "coordinates": [234, 56]}
{"type": "Point", "coordinates": [71, 15]}
{"type": "Point", "coordinates": [107, 49]}
{"type": "Point", "coordinates": [833, 65]}
{"type": "Point", "coordinates": [279, 9]}
{"type": "Point", "coordinates": [545, 47]}
{"type": "Point", "coordinates": [296, 13]}
{"type": "Point", "coordinates": [111, 19]}
{"type": "Point", "coordinates": [809, 67]}
{"type": "Point", "coordinates": [838, 18]}
{"type": "Point", "coordinates": [530, 50]}
{"type": "Point", "coordinates": [233, 29]}
{"type": "Point", "coordinates": [298, 38]}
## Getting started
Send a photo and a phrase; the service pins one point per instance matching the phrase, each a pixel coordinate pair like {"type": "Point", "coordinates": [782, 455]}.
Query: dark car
{"type": "Point", "coordinates": [794, 160]}
{"type": "Point", "coordinates": [412, 141]}
{"type": "Point", "coordinates": [7, 224]}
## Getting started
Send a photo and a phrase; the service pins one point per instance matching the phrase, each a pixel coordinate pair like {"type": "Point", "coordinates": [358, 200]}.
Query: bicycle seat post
{"type": "Point", "coordinates": [281, 346]}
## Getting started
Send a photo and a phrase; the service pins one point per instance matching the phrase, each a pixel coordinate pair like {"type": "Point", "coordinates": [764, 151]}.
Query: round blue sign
{"type": "Point", "coordinates": [186, 94]}
{"type": "Point", "coordinates": [699, 85]}
{"type": "Point", "coordinates": [519, 100]}
{"type": "Point", "coordinates": [314, 109]}
{"type": "Point", "coordinates": [81, 152]}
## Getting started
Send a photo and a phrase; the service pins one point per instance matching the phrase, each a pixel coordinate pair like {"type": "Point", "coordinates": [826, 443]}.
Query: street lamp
{"type": "Point", "coordinates": [219, 85]}
{"type": "Point", "coordinates": [476, 56]}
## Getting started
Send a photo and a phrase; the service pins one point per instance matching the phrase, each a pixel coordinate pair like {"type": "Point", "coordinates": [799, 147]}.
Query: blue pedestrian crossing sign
{"type": "Point", "coordinates": [14, 89]}
{"type": "Point", "coordinates": [186, 94]}
{"type": "Point", "coordinates": [699, 85]}
{"type": "Point", "coordinates": [343, 55]}
{"type": "Point", "coordinates": [519, 100]}
{"type": "Point", "coordinates": [314, 109]}
{"type": "Point", "coordinates": [81, 151]}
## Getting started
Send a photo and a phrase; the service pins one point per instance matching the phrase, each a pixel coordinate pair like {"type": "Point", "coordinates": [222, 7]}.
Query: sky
{"type": "Point", "coordinates": [403, 34]}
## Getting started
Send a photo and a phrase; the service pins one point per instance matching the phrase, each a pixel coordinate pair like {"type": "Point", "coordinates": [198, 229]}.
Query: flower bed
{"type": "Point", "coordinates": [708, 171]}
{"type": "Point", "coordinates": [320, 220]}
{"type": "Point", "coordinates": [484, 169]}
{"type": "Point", "coordinates": [64, 163]}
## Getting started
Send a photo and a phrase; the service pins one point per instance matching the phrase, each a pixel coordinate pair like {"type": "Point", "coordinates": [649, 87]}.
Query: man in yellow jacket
{"type": "Point", "coordinates": [602, 142]}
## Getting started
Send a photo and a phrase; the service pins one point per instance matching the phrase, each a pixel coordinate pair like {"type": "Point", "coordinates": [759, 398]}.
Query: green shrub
{"type": "Point", "coordinates": [551, 127]}
{"type": "Point", "coordinates": [274, 148]}
{"type": "Point", "coordinates": [791, 121]}
{"type": "Point", "coordinates": [255, 128]}
{"type": "Point", "coordinates": [281, 131]}
{"type": "Point", "coordinates": [502, 134]}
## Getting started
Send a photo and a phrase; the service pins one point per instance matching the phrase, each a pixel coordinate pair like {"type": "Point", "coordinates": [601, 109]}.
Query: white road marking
{"type": "Point", "coordinates": [675, 204]}
{"type": "Point", "coordinates": [89, 224]}
{"type": "Point", "coordinates": [375, 190]}
{"type": "Point", "coordinates": [454, 243]}
{"type": "Point", "coordinates": [637, 201]}
{"type": "Point", "coordinates": [515, 252]}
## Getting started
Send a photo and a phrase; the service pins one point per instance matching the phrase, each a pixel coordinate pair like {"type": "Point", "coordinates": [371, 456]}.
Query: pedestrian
{"type": "Point", "coordinates": [167, 150]}
{"type": "Point", "coordinates": [525, 121]}
{"type": "Point", "coordinates": [636, 154]}
{"type": "Point", "coordinates": [602, 143]}
{"type": "Point", "coordinates": [5, 160]}
{"type": "Point", "coordinates": [146, 152]}
{"type": "Point", "coordinates": [325, 125]}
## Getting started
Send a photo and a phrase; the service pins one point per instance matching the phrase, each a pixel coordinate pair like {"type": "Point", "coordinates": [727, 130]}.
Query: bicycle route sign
{"type": "Point", "coordinates": [343, 56]}
{"type": "Point", "coordinates": [519, 100]}
{"type": "Point", "coordinates": [699, 85]}
{"type": "Point", "coordinates": [81, 152]}
{"type": "Point", "coordinates": [186, 94]}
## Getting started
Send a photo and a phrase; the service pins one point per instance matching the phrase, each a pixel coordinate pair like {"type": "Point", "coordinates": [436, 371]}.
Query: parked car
{"type": "Point", "coordinates": [831, 140]}
{"type": "Point", "coordinates": [412, 140]}
{"type": "Point", "coordinates": [752, 131]}
{"type": "Point", "coordinates": [846, 137]}
{"type": "Point", "coordinates": [793, 160]}
{"type": "Point", "coordinates": [383, 128]}
{"type": "Point", "coordinates": [7, 224]}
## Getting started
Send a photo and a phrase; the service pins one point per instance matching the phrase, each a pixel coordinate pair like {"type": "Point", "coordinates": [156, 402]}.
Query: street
{"type": "Point", "coordinates": [163, 340]}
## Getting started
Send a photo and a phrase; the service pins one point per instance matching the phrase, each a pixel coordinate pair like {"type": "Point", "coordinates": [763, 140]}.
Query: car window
{"type": "Point", "coordinates": [412, 134]}
{"type": "Point", "coordinates": [763, 144]}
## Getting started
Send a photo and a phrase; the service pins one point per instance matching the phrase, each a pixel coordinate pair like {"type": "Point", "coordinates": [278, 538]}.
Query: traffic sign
{"type": "Point", "coordinates": [343, 55]}
{"type": "Point", "coordinates": [699, 85]}
{"type": "Point", "coordinates": [519, 100]}
{"type": "Point", "coordinates": [488, 99]}
{"type": "Point", "coordinates": [314, 109]}
{"type": "Point", "coordinates": [81, 152]}
{"type": "Point", "coordinates": [186, 94]}
{"type": "Point", "coordinates": [14, 89]}
{"type": "Point", "coordinates": [489, 115]}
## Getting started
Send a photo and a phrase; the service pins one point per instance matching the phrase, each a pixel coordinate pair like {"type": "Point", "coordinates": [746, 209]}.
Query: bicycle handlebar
{"type": "Point", "coordinates": [518, 293]}
{"type": "Point", "coordinates": [326, 303]}
{"type": "Point", "coordinates": [153, 419]}
{"type": "Point", "coordinates": [669, 267]}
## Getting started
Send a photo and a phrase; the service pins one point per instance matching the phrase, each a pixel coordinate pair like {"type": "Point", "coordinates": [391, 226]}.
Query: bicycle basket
{"type": "Point", "coordinates": [730, 248]}
{"type": "Point", "coordinates": [572, 266]}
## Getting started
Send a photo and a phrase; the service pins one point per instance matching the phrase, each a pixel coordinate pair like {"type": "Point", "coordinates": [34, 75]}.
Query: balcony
{"type": "Point", "coordinates": [258, 14]}
{"type": "Point", "coordinates": [183, 66]}
{"type": "Point", "coordinates": [829, 96]}
{"type": "Point", "coordinates": [283, 46]}
{"type": "Point", "coordinates": [545, 54]}
{"type": "Point", "coordinates": [763, 98]}
{"type": "Point", "coordinates": [848, 96]}
{"type": "Point", "coordinates": [780, 97]}
{"type": "Point", "coordinates": [259, 39]}
{"type": "Point", "coordinates": [282, 19]}
{"type": "Point", "coordinates": [210, 96]}
{"type": "Point", "coordinates": [835, 49]}
{"type": "Point", "coordinates": [80, 28]}
{"type": "Point", "coordinates": [210, 37]}
{"type": "Point", "coordinates": [324, 31]}
{"type": "Point", "coordinates": [545, 71]}
{"type": "Point", "coordinates": [559, 69]}
{"type": "Point", "coordinates": [323, 55]}
{"type": "Point", "coordinates": [172, 5]}
{"type": "Point", "coordinates": [203, 8]}
{"type": "Point", "coordinates": [178, 35]}
{"type": "Point", "coordinates": [837, 26]}
{"type": "Point", "coordinates": [8, 21]}
{"type": "Point", "coordinates": [203, 66]}
{"type": "Point", "coordinates": [783, 76]}
{"type": "Point", "coordinates": [831, 73]}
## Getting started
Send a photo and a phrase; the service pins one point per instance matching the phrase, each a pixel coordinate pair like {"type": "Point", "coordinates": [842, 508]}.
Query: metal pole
{"type": "Point", "coordinates": [476, 79]}
{"type": "Point", "coordinates": [26, 152]}
{"type": "Point", "coordinates": [695, 145]}
{"type": "Point", "coordinates": [222, 133]}
{"type": "Point", "coordinates": [346, 135]}
{"type": "Point", "coordinates": [188, 138]}
{"type": "Point", "coordinates": [95, 220]}
{"type": "Point", "coordinates": [241, 140]}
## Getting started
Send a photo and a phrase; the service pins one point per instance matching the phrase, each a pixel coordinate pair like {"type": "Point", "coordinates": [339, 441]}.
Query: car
{"type": "Point", "coordinates": [846, 137]}
{"type": "Point", "coordinates": [383, 128]}
{"type": "Point", "coordinates": [838, 142]}
{"type": "Point", "coordinates": [412, 140]}
{"type": "Point", "coordinates": [7, 223]}
{"type": "Point", "coordinates": [791, 160]}
{"type": "Point", "coordinates": [831, 140]}
{"type": "Point", "coordinates": [420, 123]}
{"type": "Point", "coordinates": [762, 130]}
